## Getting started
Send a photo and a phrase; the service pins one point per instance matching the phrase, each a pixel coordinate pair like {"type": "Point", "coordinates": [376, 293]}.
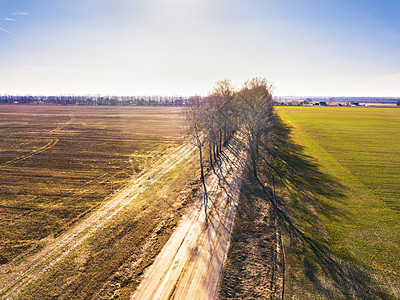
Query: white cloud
{"type": "Point", "coordinates": [20, 13]}
{"type": "Point", "coordinates": [9, 19]}
{"type": "Point", "coordinates": [2, 29]}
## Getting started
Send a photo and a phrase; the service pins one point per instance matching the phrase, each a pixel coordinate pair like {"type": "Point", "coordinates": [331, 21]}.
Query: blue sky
{"type": "Point", "coordinates": [182, 47]}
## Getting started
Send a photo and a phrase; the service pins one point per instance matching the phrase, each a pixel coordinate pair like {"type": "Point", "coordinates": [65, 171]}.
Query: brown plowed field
{"type": "Point", "coordinates": [61, 168]}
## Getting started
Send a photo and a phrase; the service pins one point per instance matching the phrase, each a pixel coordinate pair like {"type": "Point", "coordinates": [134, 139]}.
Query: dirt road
{"type": "Point", "coordinates": [15, 277]}
{"type": "Point", "coordinates": [190, 264]}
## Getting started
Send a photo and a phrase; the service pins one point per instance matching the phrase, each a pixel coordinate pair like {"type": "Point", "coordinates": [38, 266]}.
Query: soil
{"type": "Point", "coordinates": [15, 277]}
{"type": "Point", "coordinates": [192, 260]}
{"type": "Point", "coordinates": [254, 266]}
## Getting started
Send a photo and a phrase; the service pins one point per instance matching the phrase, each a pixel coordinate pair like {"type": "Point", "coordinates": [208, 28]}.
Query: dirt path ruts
{"type": "Point", "coordinates": [49, 145]}
{"type": "Point", "coordinates": [190, 264]}
{"type": "Point", "coordinates": [14, 277]}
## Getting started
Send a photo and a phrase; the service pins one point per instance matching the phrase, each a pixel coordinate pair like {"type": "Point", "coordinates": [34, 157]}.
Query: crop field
{"type": "Point", "coordinates": [354, 240]}
{"type": "Point", "coordinates": [58, 163]}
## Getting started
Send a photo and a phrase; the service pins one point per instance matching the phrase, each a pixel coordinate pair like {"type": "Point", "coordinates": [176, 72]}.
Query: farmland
{"type": "Point", "coordinates": [353, 244]}
{"type": "Point", "coordinates": [57, 164]}
{"type": "Point", "coordinates": [60, 166]}
{"type": "Point", "coordinates": [89, 196]}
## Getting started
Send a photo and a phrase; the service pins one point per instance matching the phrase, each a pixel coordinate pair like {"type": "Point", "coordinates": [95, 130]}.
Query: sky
{"type": "Point", "coordinates": [183, 47]}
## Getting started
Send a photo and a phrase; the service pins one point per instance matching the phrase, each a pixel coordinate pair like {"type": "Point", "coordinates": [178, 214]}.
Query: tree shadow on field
{"type": "Point", "coordinates": [301, 195]}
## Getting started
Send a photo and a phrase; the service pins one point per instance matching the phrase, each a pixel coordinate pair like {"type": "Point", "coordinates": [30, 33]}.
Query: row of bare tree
{"type": "Point", "coordinates": [280, 172]}
{"type": "Point", "coordinates": [213, 120]}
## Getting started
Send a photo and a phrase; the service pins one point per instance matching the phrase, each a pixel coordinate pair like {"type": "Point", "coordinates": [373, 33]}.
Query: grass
{"type": "Point", "coordinates": [359, 147]}
{"type": "Point", "coordinates": [58, 163]}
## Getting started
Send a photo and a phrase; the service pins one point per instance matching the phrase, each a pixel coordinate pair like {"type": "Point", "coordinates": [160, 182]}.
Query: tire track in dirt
{"type": "Point", "coordinates": [48, 146]}
{"type": "Point", "coordinates": [14, 277]}
{"type": "Point", "coordinates": [191, 262]}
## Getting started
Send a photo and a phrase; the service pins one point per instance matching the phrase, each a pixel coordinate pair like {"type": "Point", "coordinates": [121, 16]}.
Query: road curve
{"type": "Point", "coordinates": [190, 264]}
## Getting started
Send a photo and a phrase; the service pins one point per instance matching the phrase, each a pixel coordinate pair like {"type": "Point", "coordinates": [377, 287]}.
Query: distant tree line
{"type": "Point", "coordinates": [295, 100]}
{"type": "Point", "coordinates": [97, 100]}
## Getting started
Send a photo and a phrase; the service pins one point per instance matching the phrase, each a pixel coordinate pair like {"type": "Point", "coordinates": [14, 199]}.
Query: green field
{"type": "Point", "coordinates": [360, 148]}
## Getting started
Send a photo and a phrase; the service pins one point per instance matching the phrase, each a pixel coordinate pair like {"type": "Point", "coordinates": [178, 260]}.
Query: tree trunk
{"type": "Point", "coordinates": [210, 153]}
{"type": "Point", "coordinates": [215, 150]}
{"type": "Point", "coordinates": [220, 141]}
{"type": "Point", "coordinates": [202, 178]}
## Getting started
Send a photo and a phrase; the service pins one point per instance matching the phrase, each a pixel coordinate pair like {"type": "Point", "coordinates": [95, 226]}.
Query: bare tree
{"type": "Point", "coordinates": [195, 126]}
{"type": "Point", "coordinates": [256, 111]}
{"type": "Point", "coordinates": [212, 120]}
{"type": "Point", "coordinates": [222, 116]}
